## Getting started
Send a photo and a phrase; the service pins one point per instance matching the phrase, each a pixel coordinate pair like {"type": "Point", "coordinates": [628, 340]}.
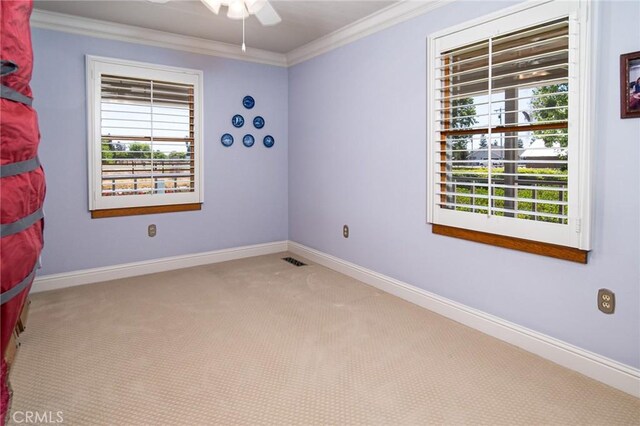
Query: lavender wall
{"type": "Point", "coordinates": [356, 117]}
{"type": "Point", "coordinates": [357, 156]}
{"type": "Point", "coordinates": [245, 198]}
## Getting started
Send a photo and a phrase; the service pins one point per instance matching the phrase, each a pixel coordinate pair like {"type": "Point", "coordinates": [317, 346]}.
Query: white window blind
{"type": "Point", "coordinates": [147, 137]}
{"type": "Point", "coordinates": [505, 146]}
{"type": "Point", "coordinates": [145, 140]}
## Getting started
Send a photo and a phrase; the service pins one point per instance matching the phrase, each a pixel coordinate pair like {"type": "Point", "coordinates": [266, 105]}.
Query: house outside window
{"type": "Point", "coordinates": [145, 134]}
{"type": "Point", "coordinates": [510, 127]}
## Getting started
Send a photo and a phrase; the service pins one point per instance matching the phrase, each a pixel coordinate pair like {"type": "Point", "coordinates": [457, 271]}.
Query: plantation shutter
{"type": "Point", "coordinates": [503, 122]}
{"type": "Point", "coordinates": [504, 105]}
{"type": "Point", "coordinates": [146, 137]}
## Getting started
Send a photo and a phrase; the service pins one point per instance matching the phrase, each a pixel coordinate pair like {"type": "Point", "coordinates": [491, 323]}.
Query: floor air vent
{"type": "Point", "coordinates": [293, 261]}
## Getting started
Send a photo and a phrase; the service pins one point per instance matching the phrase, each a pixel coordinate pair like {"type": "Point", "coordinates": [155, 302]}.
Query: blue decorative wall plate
{"type": "Point", "coordinates": [268, 141]}
{"type": "Point", "coordinates": [227, 140]}
{"type": "Point", "coordinates": [237, 120]}
{"type": "Point", "coordinates": [258, 122]}
{"type": "Point", "coordinates": [248, 102]}
{"type": "Point", "coordinates": [248, 140]}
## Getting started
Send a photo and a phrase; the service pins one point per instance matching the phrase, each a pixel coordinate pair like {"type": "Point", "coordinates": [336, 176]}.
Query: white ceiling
{"type": "Point", "coordinates": [302, 20]}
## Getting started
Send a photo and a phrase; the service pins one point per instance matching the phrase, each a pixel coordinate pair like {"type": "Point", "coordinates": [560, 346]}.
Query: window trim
{"type": "Point", "coordinates": [583, 14]}
{"type": "Point", "coordinates": [514, 243]}
{"type": "Point", "coordinates": [144, 204]}
{"type": "Point", "coordinates": [134, 211]}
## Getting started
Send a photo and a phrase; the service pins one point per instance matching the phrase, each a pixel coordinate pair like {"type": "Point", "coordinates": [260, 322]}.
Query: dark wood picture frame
{"type": "Point", "coordinates": [630, 86]}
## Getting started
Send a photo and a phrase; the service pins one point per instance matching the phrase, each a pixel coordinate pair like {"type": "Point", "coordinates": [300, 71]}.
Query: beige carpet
{"type": "Point", "coordinates": [259, 341]}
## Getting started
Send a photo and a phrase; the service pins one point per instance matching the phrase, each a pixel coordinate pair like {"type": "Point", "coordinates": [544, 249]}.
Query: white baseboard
{"type": "Point", "coordinates": [94, 275]}
{"type": "Point", "coordinates": [605, 370]}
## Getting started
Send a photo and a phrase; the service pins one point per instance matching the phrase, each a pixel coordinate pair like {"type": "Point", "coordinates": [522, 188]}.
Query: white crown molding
{"type": "Point", "coordinates": [128, 33]}
{"type": "Point", "coordinates": [605, 370]}
{"type": "Point", "coordinates": [389, 16]}
{"type": "Point", "coordinates": [126, 270]}
{"type": "Point", "coordinates": [378, 21]}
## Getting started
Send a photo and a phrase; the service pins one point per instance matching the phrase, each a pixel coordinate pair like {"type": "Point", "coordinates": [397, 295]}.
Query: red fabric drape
{"type": "Point", "coordinates": [22, 194]}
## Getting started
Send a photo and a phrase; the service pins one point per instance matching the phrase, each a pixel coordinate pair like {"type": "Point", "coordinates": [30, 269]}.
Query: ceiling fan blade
{"type": "Point", "coordinates": [254, 6]}
{"type": "Point", "coordinates": [212, 5]}
{"type": "Point", "coordinates": [159, 1]}
{"type": "Point", "coordinates": [267, 15]}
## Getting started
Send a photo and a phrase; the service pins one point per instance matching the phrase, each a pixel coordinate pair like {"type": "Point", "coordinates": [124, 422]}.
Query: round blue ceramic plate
{"type": "Point", "coordinates": [248, 141]}
{"type": "Point", "coordinates": [237, 120]}
{"type": "Point", "coordinates": [258, 122]}
{"type": "Point", "coordinates": [268, 141]}
{"type": "Point", "coordinates": [248, 102]}
{"type": "Point", "coordinates": [227, 140]}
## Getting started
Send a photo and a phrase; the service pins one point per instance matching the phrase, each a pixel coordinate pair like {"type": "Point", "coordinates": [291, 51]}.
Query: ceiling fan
{"type": "Point", "coordinates": [240, 9]}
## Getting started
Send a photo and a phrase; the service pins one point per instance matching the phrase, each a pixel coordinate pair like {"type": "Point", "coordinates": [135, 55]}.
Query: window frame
{"type": "Point", "coordinates": [577, 234]}
{"type": "Point", "coordinates": [101, 206]}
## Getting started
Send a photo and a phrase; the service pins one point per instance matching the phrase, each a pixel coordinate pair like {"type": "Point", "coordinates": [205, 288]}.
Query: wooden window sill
{"type": "Point", "coordinates": [133, 211]}
{"type": "Point", "coordinates": [529, 246]}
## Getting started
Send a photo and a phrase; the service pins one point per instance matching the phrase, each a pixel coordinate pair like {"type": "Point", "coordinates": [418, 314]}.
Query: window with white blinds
{"type": "Point", "coordinates": [145, 134]}
{"type": "Point", "coordinates": [508, 139]}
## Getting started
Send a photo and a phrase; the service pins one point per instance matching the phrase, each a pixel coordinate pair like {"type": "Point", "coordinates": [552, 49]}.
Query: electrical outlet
{"type": "Point", "coordinates": [152, 230]}
{"type": "Point", "coordinates": [345, 231]}
{"type": "Point", "coordinates": [606, 301]}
